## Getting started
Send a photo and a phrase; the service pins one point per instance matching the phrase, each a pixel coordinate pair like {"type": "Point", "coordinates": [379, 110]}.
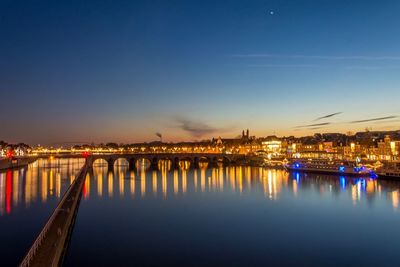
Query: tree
{"type": "Point", "coordinates": [3, 144]}
{"type": "Point", "coordinates": [112, 145]}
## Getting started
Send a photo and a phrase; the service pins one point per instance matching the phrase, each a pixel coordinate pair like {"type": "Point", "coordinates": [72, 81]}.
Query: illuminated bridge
{"type": "Point", "coordinates": [174, 158]}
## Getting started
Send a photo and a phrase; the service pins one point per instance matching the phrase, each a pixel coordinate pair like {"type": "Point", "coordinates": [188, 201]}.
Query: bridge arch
{"type": "Point", "coordinates": [202, 162]}
{"type": "Point", "coordinates": [164, 164]}
{"type": "Point", "coordinates": [143, 163]}
{"type": "Point", "coordinates": [185, 163]}
{"type": "Point", "coordinates": [121, 163]}
{"type": "Point", "coordinates": [153, 159]}
{"type": "Point", "coordinates": [165, 160]}
{"type": "Point", "coordinates": [103, 161]}
{"type": "Point", "coordinates": [99, 162]}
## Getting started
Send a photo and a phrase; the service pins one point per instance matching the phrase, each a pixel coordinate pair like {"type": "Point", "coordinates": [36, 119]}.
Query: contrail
{"type": "Point", "coordinates": [375, 119]}
{"type": "Point", "coordinates": [328, 116]}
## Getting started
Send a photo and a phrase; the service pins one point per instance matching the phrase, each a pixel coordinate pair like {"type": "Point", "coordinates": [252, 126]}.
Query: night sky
{"type": "Point", "coordinates": [100, 71]}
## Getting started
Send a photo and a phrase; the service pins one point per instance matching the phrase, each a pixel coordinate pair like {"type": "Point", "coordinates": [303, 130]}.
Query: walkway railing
{"type": "Point", "coordinates": [35, 246]}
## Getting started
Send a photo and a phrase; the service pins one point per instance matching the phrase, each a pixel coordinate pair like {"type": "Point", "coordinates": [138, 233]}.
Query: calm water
{"type": "Point", "coordinates": [28, 196]}
{"type": "Point", "coordinates": [232, 216]}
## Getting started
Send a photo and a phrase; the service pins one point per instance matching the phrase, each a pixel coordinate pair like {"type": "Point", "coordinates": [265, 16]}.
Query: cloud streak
{"type": "Point", "coordinates": [195, 128]}
{"type": "Point", "coordinates": [328, 116]}
{"type": "Point", "coordinates": [375, 119]}
{"type": "Point", "coordinates": [319, 57]}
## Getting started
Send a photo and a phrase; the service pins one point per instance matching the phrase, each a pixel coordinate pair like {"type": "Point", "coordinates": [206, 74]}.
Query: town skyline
{"type": "Point", "coordinates": [245, 134]}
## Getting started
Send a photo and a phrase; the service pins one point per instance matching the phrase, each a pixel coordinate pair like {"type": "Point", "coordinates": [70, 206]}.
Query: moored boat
{"type": "Point", "coordinates": [329, 167]}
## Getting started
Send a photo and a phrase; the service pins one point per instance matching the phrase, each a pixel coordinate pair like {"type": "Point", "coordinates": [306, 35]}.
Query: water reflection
{"type": "Point", "coordinates": [236, 215]}
{"type": "Point", "coordinates": [249, 191]}
{"type": "Point", "coordinates": [44, 179]}
{"type": "Point", "coordinates": [394, 195]}
{"type": "Point", "coordinates": [154, 182]}
{"type": "Point", "coordinates": [177, 182]}
{"type": "Point", "coordinates": [37, 182]}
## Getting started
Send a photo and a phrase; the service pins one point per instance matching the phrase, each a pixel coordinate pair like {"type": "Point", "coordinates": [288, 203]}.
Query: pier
{"type": "Point", "coordinates": [50, 246]}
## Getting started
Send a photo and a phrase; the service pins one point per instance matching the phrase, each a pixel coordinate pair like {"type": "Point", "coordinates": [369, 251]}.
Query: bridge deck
{"type": "Point", "coordinates": [49, 247]}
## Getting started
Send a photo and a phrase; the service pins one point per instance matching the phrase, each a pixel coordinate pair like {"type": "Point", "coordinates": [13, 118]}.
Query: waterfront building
{"type": "Point", "coordinates": [272, 146]}
{"type": "Point", "coordinates": [371, 146]}
{"type": "Point", "coordinates": [388, 149]}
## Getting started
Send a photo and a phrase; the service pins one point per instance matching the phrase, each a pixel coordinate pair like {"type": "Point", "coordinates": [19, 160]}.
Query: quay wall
{"type": "Point", "coordinates": [17, 162]}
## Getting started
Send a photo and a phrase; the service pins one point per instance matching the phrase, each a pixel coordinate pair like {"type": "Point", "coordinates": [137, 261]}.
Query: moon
{"type": "Point", "coordinates": [271, 12]}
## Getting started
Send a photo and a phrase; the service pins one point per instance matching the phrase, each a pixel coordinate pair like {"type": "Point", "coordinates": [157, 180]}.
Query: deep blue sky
{"type": "Point", "coordinates": [123, 70]}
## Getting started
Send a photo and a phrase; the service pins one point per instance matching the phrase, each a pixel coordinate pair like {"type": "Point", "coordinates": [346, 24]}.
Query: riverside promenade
{"type": "Point", "coordinates": [50, 246]}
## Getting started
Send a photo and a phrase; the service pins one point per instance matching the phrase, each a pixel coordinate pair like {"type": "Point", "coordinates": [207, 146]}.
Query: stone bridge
{"type": "Point", "coordinates": [175, 158]}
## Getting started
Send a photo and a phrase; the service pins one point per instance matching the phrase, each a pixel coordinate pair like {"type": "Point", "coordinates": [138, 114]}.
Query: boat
{"type": "Point", "coordinates": [329, 167]}
{"type": "Point", "coordinates": [389, 171]}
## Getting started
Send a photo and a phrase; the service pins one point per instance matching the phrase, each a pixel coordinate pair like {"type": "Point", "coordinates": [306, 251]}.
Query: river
{"type": "Point", "coordinates": [222, 216]}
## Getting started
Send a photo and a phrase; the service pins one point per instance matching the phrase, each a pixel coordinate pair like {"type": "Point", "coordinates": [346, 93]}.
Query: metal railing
{"type": "Point", "coordinates": [38, 241]}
